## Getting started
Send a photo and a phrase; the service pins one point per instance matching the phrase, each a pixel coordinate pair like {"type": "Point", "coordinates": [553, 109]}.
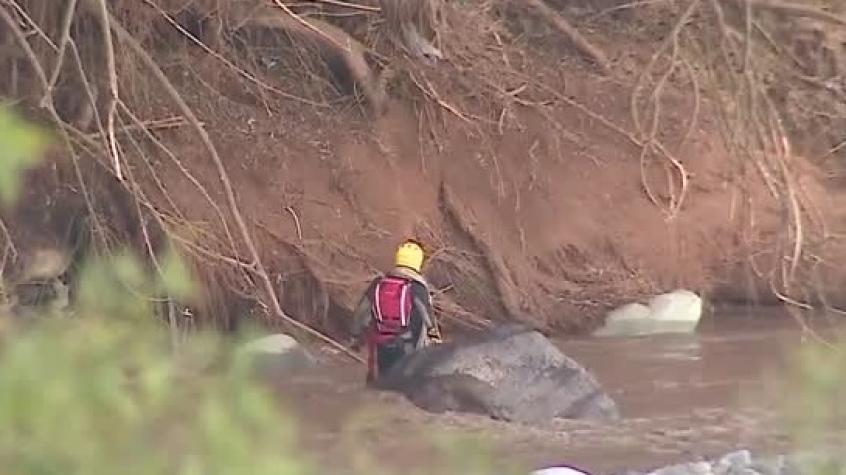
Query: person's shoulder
{"type": "Point", "coordinates": [420, 289]}
{"type": "Point", "coordinates": [374, 282]}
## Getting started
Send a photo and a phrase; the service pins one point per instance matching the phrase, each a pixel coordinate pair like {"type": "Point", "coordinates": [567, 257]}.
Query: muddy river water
{"type": "Point", "coordinates": [681, 397]}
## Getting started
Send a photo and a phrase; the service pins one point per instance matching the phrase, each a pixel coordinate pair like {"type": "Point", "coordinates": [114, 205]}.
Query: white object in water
{"type": "Point", "coordinates": [677, 306]}
{"type": "Point", "coordinates": [278, 343]}
{"type": "Point", "coordinates": [559, 471]}
{"type": "Point", "coordinates": [674, 312]}
{"type": "Point", "coordinates": [628, 320]}
{"type": "Point", "coordinates": [279, 351]}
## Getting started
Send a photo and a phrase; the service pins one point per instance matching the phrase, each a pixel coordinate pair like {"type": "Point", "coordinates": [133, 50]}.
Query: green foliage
{"type": "Point", "coordinates": [815, 410]}
{"type": "Point", "coordinates": [129, 287]}
{"type": "Point", "coordinates": [21, 145]}
{"type": "Point", "coordinates": [102, 392]}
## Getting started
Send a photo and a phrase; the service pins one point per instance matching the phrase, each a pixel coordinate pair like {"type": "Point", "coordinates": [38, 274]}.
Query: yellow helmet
{"type": "Point", "coordinates": [410, 254]}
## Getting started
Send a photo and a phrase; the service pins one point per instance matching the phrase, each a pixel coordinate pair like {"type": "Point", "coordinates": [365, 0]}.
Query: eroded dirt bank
{"type": "Point", "coordinates": [527, 170]}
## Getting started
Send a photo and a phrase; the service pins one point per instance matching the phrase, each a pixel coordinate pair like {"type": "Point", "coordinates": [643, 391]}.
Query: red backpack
{"type": "Point", "coordinates": [392, 305]}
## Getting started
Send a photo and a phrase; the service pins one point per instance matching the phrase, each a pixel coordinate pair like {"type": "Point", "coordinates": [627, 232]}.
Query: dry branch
{"type": "Point", "coordinates": [564, 27]}
{"type": "Point", "coordinates": [258, 267]}
{"type": "Point", "coordinates": [216, 55]}
{"type": "Point", "coordinates": [414, 25]}
{"type": "Point", "coordinates": [148, 125]}
{"type": "Point", "coordinates": [353, 6]}
{"type": "Point", "coordinates": [507, 289]}
{"type": "Point", "coordinates": [798, 10]}
{"type": "Point", "coordinates": [326, 37]}
{"type": "Point", "coordinates": [67, 22]}
{"type": "Point", "coordinates": [114, 97]}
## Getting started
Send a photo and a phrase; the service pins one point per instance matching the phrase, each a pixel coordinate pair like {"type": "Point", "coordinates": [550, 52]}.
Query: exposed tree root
{"type": "Point", "coordinates": [257, 265]}
{"type": "Point", "coordinates": [414, 25]}
{"type": "Point", "coordinates": [327, 38]}
{"type": "Point", "coordinates": [564, 27]}
{"type": "Point", "coordinates": [509, 294]}
{"type": "Point", "coordinates": [798, 10]}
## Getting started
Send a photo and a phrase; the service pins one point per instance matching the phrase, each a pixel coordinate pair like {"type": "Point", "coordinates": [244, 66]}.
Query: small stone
{"type": "Point", "coordinates": [733, 463]}
{"type": "Point", "coordinates": [695, 468]}
{"type": "Point", "coordinates": [279, 353]}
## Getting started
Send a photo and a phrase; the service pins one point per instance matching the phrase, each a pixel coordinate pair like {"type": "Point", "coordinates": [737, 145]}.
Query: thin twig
{"type": "Point", "coordinates": [354, 6]}
{"type": "Point", "coordinates": [625, 6]}
{"type": "Point", "coordinates": [250, 77]}
{"type": "Point", "coordinates": [114, 97]}
{"type": "Point", "coordinates": [697, 102]}
{"type": "Point", "coordinates": [148, 125]}
{"type": "Point", "coordinates": [62, 126]}
{"type": "Point", "coordinates": [7, 236]}
{"type": "Point", "coordinates": [293, 213]}
{"type": "Point", "coordinates": [582, 44]}
{"type": "Point", "coordinates": [672, 39]}
{"type": "Point", "coordinates": [194, 181]}
{"type": "Point", "coordinates": [22, 12]}
{"type": "Point", "coordinates": [154, 68]}
{"type": "Point", "coordinates": [67, 22]}
{"type": "Point", "coordinates": [347, 48]}
{"type": "Point", "coordinates": [799, 9]}
{"type": "Point", "coordinates": [434, 96]}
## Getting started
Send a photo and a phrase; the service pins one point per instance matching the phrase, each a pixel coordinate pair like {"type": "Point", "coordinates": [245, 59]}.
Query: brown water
{"type": "Point", "coordinates": [681, 396]}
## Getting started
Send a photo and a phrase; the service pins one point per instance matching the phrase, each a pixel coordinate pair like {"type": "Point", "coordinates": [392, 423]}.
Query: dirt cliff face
{"type": "Point", "coordinates": [518, 163]}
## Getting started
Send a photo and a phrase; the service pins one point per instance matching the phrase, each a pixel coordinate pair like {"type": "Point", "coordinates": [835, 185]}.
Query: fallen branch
{"type": "Point", "coordinates": [432, 94]}
{"type": "Point", "coordinates": [246, 75]}
{"type": "Point", "coordinates": [234, 209]}
{"type": "Point", "coordinates": [564, 27]}
{"type": "Point", "coordinates": [296, 218]}
{"type": "Point", "coordinates": [67, 22]}
{"type": "Point", "coordinates": [496, 266]}
{"type": "Point", "coordinates": [326, 37]}
{"type": "Point", "coordinates": [798, 9]}
{"type": "Point", "coordinates": [114, 97]}
{"type": "Point", "coordinates": [353, 6]}
{"type": "Point", "coordinates": [149, 125]}
{"type": "Point", "coordinates": [62, 126]}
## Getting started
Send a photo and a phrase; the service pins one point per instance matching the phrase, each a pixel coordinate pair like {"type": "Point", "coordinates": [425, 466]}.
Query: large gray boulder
{"type": "Point", "coordinates": [510, 373]}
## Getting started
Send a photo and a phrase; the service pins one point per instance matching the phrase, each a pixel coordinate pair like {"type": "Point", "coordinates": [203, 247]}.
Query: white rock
{"type": "Point", "coordinates": [559, 471]}
{"type": "Point", "coordinates": [674, 312]}
{"type": "Point", "coordinates": [276, 344]}
{"type": "Point", "coordinates": [679, 305]}
{"type": "Point", "coordinates": [733, 463]}
{"type": "Point", "coordinates": [628, 320]}
{"type": "Point", "coordinates": [693, 468]}
{"type": "Point", "coordinates": [278, 353]}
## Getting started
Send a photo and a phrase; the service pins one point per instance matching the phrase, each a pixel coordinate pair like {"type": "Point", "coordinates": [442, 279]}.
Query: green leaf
{"type": "Point", "coordinates": [175, 279]}
{"type": "Point", "coordinates": [21, 146]}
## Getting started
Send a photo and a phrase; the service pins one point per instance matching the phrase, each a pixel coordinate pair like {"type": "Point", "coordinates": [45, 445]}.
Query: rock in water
{"type": "Point", "coordinates": [674, 312]}
{"type": "Point", "coordinates": [560, 470]}
{"type": "Point", "coordinates": [278, 353]}
{"type": "Point", "coordinates": [743, 462]}
{"type": "Point", "coordinates": [681, 306]}
{"type": "Point", "coordinates": [510, 373]}
{"type": "Point", "coordinates": [629, 320]}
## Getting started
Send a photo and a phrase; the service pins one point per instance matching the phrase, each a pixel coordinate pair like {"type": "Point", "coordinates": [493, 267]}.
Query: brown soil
{"type": "Point", "coordinates": [533, 203]}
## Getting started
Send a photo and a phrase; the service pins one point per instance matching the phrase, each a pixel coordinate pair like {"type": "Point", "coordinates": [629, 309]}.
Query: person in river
{"type": "Point", "coordinates": [394, 316]}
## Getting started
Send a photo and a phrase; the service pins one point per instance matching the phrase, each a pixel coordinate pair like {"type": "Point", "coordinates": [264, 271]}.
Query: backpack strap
{"type": "Point", "coordinates": [376, 304]}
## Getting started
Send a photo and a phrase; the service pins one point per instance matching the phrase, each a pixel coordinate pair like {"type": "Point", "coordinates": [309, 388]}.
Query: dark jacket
{"type": "Point", "coordinates": [422, 317]}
